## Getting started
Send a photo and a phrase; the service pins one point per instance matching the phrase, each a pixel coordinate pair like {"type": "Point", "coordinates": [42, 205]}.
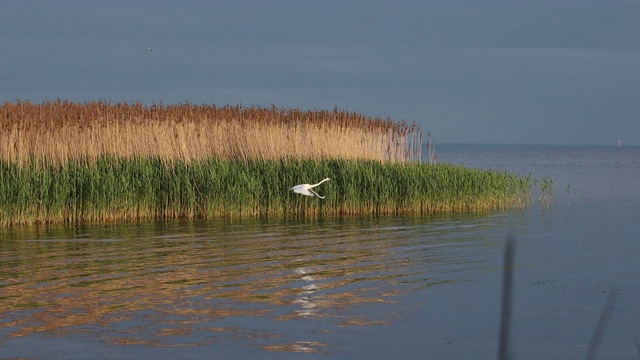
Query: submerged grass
{"type": "Point", "coordinates": [110, 188]}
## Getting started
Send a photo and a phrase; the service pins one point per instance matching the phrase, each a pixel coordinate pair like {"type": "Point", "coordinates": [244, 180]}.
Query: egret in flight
{"type": "Point", "coordinates": [305, 189]}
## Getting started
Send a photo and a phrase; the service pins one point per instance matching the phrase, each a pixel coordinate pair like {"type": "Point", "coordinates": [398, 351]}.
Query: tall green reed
{"type": "Point", "coordinates": [112, 188]}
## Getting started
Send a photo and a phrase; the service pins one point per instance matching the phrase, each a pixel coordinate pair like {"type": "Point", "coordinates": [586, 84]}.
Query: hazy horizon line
{"type": "Point", "coordinates": [615, 145]}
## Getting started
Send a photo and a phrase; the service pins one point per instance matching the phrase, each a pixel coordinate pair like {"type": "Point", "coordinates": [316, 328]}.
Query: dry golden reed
{"type": "Point", "coordinates": [55, 132]}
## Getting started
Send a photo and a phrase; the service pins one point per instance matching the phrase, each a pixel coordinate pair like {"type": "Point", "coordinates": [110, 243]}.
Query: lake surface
{"type": "Point", "coordinates": [427, 288]}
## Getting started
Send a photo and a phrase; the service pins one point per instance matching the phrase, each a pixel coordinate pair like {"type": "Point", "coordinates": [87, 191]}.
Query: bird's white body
{"type": "Point", "coordinates": [305, 189]}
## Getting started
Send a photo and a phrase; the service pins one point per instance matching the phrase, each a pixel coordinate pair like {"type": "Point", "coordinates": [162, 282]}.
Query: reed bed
{"type": "Point", "coordinates": [110, 188]}
{"type": "Point", "coordinates": [66, 162]}
{"type": "Point", "coordinates": [55, 132]}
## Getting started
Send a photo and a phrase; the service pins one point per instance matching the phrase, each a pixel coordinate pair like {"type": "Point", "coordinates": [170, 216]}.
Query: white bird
{"type": "Point", "coordinates": [305, 189]}
{"type": "Point", "coordinates": [149, 49]}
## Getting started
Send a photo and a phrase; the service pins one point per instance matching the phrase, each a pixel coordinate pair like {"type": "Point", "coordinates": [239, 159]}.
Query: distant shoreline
{"type": "Point", "coordinates": [472, 146]}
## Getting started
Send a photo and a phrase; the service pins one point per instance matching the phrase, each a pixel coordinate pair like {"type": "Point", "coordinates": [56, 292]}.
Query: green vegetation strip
{"type": "Point", "coordinates": [114, 189]}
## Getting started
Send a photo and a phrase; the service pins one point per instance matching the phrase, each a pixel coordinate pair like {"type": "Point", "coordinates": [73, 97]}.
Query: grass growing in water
{"type": "Point", "coordinates": [111, 188]}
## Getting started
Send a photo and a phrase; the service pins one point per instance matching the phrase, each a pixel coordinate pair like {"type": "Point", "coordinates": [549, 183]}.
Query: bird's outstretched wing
{"type": "Point", "coordinates": [316, 194]}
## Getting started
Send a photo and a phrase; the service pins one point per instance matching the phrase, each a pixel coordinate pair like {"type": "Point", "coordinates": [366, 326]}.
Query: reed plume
{"type": "Point", "coordinates": [55, 132]}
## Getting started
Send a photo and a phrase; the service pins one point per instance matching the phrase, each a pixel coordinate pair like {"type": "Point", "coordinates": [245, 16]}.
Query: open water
{"type": "Point", "coordinates": [410, 288]}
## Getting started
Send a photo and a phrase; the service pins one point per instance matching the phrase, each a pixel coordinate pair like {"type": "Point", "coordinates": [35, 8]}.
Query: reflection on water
{"type": "Point", "coordinates": [278, 286]}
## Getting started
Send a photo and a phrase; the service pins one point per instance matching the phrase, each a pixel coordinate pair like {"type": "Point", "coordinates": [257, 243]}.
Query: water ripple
{"type": "Point", "coordinates": [197, 283]}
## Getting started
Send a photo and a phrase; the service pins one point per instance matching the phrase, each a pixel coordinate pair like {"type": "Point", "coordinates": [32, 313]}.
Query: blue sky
{"type": "Point", "coordinates": [468, 71]}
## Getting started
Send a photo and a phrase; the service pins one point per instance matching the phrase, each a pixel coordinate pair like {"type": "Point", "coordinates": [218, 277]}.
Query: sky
{"type": "Point", "coordinates": [494, 71]}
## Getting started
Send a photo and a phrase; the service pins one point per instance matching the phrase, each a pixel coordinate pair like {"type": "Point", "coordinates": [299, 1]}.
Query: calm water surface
{"type": "Point", "coordinates": [351, 289]}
